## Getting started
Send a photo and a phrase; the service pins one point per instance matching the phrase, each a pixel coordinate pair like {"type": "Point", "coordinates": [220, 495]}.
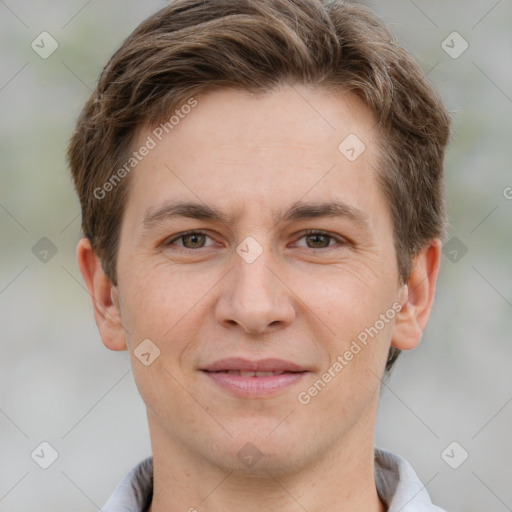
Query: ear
{"type": "Point", "coordinates": [418, 298]}
{"type": "Point", "coordinates": [104, 297]}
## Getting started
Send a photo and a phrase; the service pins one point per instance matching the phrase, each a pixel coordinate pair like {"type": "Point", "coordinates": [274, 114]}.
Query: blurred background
{"type": "Point", "coordinates": [447, 407]}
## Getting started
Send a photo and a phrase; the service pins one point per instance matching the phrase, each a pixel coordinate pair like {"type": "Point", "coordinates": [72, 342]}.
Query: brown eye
{"type": "Point", "coordinates": [189, 240]}
{"type": "Point", "coordinates": [193, 241]}
{"type": "Point", "coordinates": [318, 241]}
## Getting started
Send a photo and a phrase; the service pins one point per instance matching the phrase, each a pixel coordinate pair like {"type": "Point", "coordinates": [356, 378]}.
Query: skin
{"type": "Point", "coordinates": [304, 299]}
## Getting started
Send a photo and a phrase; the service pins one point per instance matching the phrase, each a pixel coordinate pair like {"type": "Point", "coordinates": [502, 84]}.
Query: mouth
{"type": "Point", "coordinates": [244, 373]}
{"type": "Point", "coordinates": [251, 379]}
{"type": "Point", "coordinates": [240, 364]}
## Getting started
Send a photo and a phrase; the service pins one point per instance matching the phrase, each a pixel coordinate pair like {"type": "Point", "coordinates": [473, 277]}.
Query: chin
{"type": "Point", "coordinates": [259, 453]}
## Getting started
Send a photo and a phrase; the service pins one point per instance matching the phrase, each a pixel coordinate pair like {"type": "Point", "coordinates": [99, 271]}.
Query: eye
{"type": "Point", "coordinates": [189, 240]}
{"type": "Point", "coordinates": [197, 240]}
{"type": "Point", "coordinates": [320, 240]}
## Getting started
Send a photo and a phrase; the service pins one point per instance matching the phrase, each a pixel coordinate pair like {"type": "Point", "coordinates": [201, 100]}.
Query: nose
{"type": "Point", "coordinates": [255, 296]}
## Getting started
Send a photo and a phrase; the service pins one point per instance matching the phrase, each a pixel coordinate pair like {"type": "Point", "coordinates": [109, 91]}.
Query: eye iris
{"type": "Point", "coordinates": [324, 243]}
{"type": "Point", "coordinates": [197, 240]}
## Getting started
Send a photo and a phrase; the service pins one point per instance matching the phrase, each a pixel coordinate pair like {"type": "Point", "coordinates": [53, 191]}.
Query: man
{"type": "Point", "coordinates": [262, 209]}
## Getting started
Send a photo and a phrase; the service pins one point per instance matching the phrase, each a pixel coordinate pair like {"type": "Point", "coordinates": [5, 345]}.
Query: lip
{"type": "Point", "coordinates": [254, 387]}
{"type": "Point", "coordinates": [246, 365]}
{"type": "Point", "coordinates": [251, 386]}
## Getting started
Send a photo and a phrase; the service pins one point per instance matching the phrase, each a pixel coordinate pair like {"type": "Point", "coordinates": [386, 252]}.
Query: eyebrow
{"type": "Point", "coordinates": [297, 211]}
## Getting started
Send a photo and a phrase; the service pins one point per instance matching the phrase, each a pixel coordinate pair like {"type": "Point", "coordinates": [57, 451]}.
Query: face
{"type": "Point", "coordinates": [253, 242]}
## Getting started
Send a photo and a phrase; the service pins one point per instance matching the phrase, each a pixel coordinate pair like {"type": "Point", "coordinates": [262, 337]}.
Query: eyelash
{"type": "Point", "coordinates": [307, 233]}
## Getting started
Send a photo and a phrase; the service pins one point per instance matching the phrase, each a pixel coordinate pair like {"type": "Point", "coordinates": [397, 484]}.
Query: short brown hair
{"type": "Point", "coordinates": [192, 46]}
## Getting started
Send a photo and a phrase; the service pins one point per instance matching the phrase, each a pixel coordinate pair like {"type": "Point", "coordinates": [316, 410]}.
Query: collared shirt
{"type": "Point", "coordinates": [397, 484]}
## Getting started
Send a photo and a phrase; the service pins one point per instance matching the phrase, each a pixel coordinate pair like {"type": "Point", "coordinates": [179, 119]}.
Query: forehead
{"type": "Point", "coordinates": [285, 117]}
{"type": "Point", "coordinates": [240, 153]}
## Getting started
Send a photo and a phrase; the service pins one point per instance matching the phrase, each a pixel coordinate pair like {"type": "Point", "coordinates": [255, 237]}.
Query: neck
{"type": "Point", "coordinates": [340, 479]}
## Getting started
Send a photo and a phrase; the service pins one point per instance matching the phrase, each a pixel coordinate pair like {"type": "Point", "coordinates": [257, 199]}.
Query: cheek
{"type": "Point", "coordinates": [354, 321]}
{"type": "Point", "coordinates": [164, 307]}
{"type": "Point", "coordinates": [162, 299]}
{"type": "Point", "coordinates": [344, 300]}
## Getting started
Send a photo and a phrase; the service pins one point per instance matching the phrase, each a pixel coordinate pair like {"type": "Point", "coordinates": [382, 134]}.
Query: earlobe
{"type": "Point", "coordinates": [104, 297]}
{"type": "Point", "coordinates": [418, 298]}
